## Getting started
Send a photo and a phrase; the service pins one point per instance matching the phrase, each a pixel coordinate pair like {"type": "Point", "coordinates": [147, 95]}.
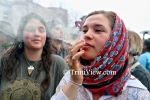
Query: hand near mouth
{"type": "Point", "coordinates": [73, 62]}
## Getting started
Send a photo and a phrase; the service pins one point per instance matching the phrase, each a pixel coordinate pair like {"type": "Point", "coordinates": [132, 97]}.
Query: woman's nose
{"type": "Point", "coordinates": [36, 32]}
{"type": "Point", "coordinates": [88, 34]}
{"type": "Point", "coordinates": [61, 31]}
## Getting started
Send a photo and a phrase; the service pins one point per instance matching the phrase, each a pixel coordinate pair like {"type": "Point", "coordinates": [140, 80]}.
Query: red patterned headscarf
{"type": "Point", "coordinates": [112, 58]}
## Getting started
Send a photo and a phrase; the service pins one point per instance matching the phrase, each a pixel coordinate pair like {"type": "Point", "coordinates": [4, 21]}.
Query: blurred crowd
{"type": "Point", "coordinates": [23, 58]}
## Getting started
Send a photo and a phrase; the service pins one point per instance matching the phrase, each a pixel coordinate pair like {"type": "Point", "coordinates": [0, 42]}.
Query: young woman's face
{"type": "Point", "coordinates": [57, 31]}
{"type": "Point", "coordinates": [96, 32]}
{"type": "Point", "coordinates": [34, 34]}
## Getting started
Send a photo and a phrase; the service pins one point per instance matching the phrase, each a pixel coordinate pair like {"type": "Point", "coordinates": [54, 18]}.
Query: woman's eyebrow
{"type": "Point", "coordinates": [41, 27]}
{"type": "Point", "coordinates": [85, 26]}
{"type": "Point", "coordinates": [98, 25]}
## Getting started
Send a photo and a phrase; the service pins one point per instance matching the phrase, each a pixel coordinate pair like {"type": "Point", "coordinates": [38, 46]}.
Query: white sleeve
{"type": "Point", "coordinates": [59, 96]}
{"type": "Point", "coordinates": [143, 95]}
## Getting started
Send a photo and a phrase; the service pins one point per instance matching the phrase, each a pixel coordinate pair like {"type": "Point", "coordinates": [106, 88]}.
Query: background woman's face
{"type": "Point", "coordinates": [96, 32]}
{"type": "Point", "coordinates": [34, 34]}
{"type": "Point", "coordinates": [57, 31]}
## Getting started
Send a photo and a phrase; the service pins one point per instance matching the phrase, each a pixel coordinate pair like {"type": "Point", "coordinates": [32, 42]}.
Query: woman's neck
{"type": "Point", "coordinates": [56, 45]}
{"type": "Point", "coordinates": [96, 96]}
{"type": "Point", "coordinates": [33, 55]}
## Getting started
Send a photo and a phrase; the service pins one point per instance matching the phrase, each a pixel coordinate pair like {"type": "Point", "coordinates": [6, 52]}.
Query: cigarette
{"type": "Point", "coordinates": [65, 41]}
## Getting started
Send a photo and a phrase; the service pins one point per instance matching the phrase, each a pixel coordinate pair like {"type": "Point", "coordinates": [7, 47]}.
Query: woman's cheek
{"type": "Point", "coordinates": [43, 37]}
{"type": "Point", "coordinates": [27, 35]}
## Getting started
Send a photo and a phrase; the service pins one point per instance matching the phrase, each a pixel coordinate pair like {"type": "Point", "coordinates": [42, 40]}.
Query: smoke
{"type": "Point", "coordinates": [14, 10]}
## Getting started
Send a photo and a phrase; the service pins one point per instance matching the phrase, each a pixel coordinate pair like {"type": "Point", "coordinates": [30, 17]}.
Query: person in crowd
{"type": "Point", "coordinates": [56, 29]}
{"type": "Point", "coordinates": [144, 58]}
{"type": "Point", "coordinates": [136, 46]}
{"type": "Point", "coordinates": [99, 63]}
{"type": "Point", "coordinates": [29, 70]}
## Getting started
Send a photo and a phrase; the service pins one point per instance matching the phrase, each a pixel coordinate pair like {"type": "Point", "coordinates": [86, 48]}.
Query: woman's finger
{"type": "Point", "coordinates": [75, 62]}
{"type": "Point", "coordinates": [76, 48]}
{"type": "Point", "coordinates": [76, 43]}
{"type": "Point", "coordinates": [77, 55]}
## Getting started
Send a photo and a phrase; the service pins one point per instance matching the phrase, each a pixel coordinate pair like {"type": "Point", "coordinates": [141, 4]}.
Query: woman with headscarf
{"type": "Point", "coordinates": [100, 63]}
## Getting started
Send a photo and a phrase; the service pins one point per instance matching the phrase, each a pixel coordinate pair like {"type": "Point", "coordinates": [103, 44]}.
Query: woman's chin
{"type": "Point", "coordinates": [37, 48]}
{"type": "Point", "coordinates": [87, 57]}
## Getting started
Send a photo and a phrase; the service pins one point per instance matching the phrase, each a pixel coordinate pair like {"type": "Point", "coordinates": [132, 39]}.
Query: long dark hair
{"type": "Point", "coordinates": [11, 58]}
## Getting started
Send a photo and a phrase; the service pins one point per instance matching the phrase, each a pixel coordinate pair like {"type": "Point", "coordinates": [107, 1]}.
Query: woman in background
{"type": "Point", "coordinates": [135, 49]}
{"type": "Point", "coordinates": [144, 58]}
{"type": "Point", "coordinates": [56, 29]}
{"type": "Point", "coordinates": [29, 70]}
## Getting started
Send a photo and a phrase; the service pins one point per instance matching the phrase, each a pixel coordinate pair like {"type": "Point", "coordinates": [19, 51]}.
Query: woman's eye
{"type": "Point", "coordinates": [41, 30]}
{"type": "Point", "coordinates": [57, 28]}
{"type": "Point", "coordinates": [30, 29]}
{"type": "Point", "coordinates": [84, 31]}
{"type": "Point", "coordinates": [99, 30]}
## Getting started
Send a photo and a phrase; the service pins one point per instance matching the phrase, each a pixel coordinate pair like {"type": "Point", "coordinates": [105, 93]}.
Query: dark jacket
{"type": "Point", "coordinates": [141, 74]}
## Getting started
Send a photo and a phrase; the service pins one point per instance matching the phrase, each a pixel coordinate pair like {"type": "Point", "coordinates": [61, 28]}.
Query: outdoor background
{"type": "Point", "coordinates": [135, 13]}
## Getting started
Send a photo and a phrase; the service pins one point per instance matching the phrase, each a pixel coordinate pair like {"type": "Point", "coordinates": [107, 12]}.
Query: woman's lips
{"type": "Point", "coordinates": [86, 46]}
{"type": "Point", "coordinates": [36, 40]}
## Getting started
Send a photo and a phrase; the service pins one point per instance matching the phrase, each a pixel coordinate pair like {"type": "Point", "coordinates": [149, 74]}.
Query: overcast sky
{"type": "Point", "coordinates": [135, 13]}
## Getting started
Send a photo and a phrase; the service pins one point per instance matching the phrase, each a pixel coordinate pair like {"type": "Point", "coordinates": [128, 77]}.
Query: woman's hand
{"type": "Point", "coordinates": [73, 62]}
